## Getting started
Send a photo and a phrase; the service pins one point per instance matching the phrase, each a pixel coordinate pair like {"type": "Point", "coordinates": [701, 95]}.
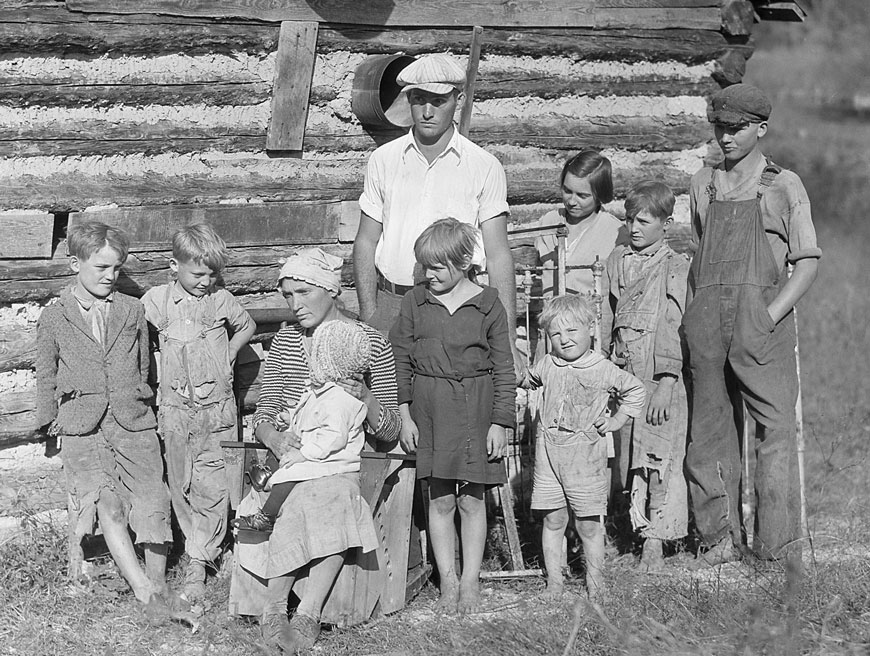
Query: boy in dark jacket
{"type": "Point", "coordinates": [93, 394]}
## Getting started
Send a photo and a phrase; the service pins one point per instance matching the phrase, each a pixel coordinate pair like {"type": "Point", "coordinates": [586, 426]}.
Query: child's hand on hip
{"type": "Point", "coordinates": [609, 424]}
{"type": "Point", "coordinates": [496, 442]}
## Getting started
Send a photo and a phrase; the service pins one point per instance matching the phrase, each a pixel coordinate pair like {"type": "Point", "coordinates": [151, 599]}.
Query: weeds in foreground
{"type": "Point", "coordinates": [739, 608]}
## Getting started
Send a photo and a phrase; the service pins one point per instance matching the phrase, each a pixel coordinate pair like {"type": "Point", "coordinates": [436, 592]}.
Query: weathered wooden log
{"type": "Point", "coordinates": [49, 30]}
{"type": "Point", "coordinates": [737, 17]}
{"type": "Point", "coordinates": [531, 179]}
{"type": "Point", "coordinates": [105, 138]}
{"type": "Point", "coordinates": [493, 84]}
{"type": "Point", "coordinates": [26, 235]}
{"type": "Point", "coordinates": [249, 224]}
{"type": "Point", "coordinates": [18, 414]}
{"type": "Point", "coordinates": [111, 95]}
{"type": "Point", "coordinates": [17, 347]}
{"type": "Point", "coordinates": [699, 14]}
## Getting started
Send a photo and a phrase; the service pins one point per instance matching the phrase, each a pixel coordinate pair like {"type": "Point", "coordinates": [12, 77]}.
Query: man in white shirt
{"type": "Point", "coordinates": [430, 173]}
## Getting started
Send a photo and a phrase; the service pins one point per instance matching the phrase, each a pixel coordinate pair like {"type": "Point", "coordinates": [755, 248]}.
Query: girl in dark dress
{"type": "Point", "coordinates": [456, 396]}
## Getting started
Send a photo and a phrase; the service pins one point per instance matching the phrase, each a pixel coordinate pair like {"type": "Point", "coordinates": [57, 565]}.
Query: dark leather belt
{"type": "Point", "coordinates": [393, 288]}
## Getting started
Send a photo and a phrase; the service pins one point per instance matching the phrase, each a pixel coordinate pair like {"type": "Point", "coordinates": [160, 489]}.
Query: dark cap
{"type": "Point", "coordinates": [739, 104]}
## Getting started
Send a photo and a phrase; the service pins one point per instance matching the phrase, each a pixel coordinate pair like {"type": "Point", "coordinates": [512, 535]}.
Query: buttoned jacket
{"type": "Point", "coordinates": [78, 378]}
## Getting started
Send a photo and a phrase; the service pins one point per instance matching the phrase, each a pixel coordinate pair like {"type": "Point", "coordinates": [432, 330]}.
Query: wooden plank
{"type": "Point", "coordinates": [49, 31]}
{"type": "Point", "coordinates": [272, 224]}
{"type": "Point", "coordinates": [655, 4]}
{"type": "Point", "coordinates": [26, 235]}
{"type": "Point", "coordinates": [294, 71]}
{"type": "Point", "coordinates": [492, 83]}
{"type": "Point", "coordinates": [207, 93]}
{"type": "Point", "coordinates": [658, 18]}
{"type": "Point", "coordinates": [17, 414]}
{"type": "Point", "coordinates": [562, 13]}
{"type": "Point", "coordinates": [506, 496]}
{"type": "Point", "coordinates": [396, 521]}
{"type": "Point", "coordinates": [530, 179]}
{"type": "Point", "coordinates": [470, 80]}
{"type": "Point", "coordinates": [17, 347]}
{"type": "Point", "coordinates": [738, 17]}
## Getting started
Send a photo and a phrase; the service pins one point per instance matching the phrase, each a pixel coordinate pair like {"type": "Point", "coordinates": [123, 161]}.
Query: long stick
{"type": "Point", "coordinates": [470, 80]}
{"type": "Point", "coordinates": [799, 428]}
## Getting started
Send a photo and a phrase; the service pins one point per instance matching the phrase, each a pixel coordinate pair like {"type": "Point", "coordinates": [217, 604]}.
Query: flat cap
{"type": "Point", "coordinates": [433, 73]}
{"type": "Point", "coordinates": [739, 104]}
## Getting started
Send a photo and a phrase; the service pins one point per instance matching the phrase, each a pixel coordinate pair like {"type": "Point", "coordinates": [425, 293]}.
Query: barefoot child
{"type": "Point", "coordinates": [573, 446]}
{"type": "Point", "coordinates": [456, 397]}
{"type": "Point", "coordinates": [647, 284]}
{"type": "Point", "coordinates": [93, 394]}
{"type": "Point", "coordinates": [197, 406]}
{"type": "Point", "coordinates": [749, 218]}
{"type": "Point", "coordinates": [327, 422]}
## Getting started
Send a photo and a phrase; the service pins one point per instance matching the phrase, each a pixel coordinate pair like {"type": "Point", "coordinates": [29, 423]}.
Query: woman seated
{"type": "Point", "coordinates": [322, 518]}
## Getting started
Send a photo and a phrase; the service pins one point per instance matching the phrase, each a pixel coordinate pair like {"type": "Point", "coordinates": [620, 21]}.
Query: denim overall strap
{"type": "Point", "coordinates": [734, 249]}
{"type": "Point", "coordinates": [191, 362]}
{"type": "Point", "coordinates": [637, 314]}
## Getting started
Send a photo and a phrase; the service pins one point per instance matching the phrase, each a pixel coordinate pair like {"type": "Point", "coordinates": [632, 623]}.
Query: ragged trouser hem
{"type": "Point", "coordinates": [197, 473]}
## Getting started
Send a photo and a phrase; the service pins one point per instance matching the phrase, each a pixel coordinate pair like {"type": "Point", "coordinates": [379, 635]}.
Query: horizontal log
{"type": "Point", "coordinates": [528, 182]}
{"type": "Point", "coordinates": [562, 13]}
{"type": "Point", "coordinates": [18, 413]}
{"type": "Point", "coordinates": [491, 84]}
{"type": "Point", "coordinates": [251, 271]}
{"type": "Point", "coordinates": [111, 95]}
{"type": "Point", "coordinates": [531, 179]}
{"type": "Point", "coordinates": [257, 224]}
{"type": "Point", "coordinates": [39, 31]}
{"type": "Point", "coordinates": [26, 235]}
{"type": "Point", "coordinates": [99, 137]}
{"type": "Point", "coordinates": [17, 347]}
{"type": "Point", "coordinates": [658, 18]}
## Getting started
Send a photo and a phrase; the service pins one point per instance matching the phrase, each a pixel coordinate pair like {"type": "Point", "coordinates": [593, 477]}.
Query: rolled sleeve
{"type": "Point", "coordinates": [372, 200]}
{"type": "Point", "coordinates": [493, 194]}
{"type": "Point", "coordinates": [801, 233]}
{"type": "Point", "coordinates": [236, 316]}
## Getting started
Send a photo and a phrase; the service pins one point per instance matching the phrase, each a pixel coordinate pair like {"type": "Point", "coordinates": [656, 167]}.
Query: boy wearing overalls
{"type": "Point", "coordinates": [197, 406]}
{"type": "Point", "coordinates": [749, 217]}
{"type": "Point", "coordinates": [647, 289]}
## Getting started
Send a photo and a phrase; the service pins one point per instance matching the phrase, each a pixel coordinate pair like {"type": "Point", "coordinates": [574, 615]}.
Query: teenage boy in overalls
{"type": "Point", "coordinates": [749, 217]}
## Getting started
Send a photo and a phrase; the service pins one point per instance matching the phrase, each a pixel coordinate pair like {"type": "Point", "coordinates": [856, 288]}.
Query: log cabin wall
{"type": "Point", "coordinates": [158, 118]}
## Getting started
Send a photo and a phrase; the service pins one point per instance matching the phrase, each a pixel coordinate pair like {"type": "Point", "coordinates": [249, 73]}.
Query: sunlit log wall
{"type": "Point", "coordinates": [157, 118]}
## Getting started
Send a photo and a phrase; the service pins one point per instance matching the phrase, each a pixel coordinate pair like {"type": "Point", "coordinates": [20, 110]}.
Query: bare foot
{"type": "Point", "coordinates": [469, 597]}
{"type": "Point", "coordinates": [449, 597]}
{"type": "Point", "coordinates": [555, 590]}
{"type": "Point", "coordinates": [652, 561]}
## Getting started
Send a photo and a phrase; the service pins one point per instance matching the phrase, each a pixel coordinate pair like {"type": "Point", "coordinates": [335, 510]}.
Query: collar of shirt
{"type": "Point", "coordinates": [649, 251]}
{"type": "Point", "coordinates": [454, 146]}
{"type": "Point", "coordinates": [87, 303]}
{"type": "Point", "coordinates": [588, 359]}
{"type": "Point", "coordinates": [322, 389]}
{"type": "Point", "coordinates": [177, 293]}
